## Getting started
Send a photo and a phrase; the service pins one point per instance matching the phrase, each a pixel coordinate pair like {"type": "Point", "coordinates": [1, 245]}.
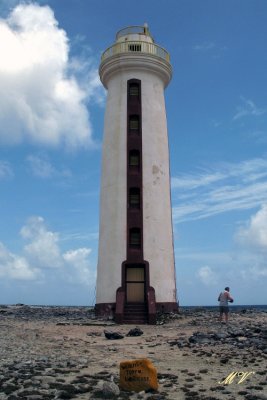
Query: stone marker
{"type": "Point", "coordinates": [138, 375]}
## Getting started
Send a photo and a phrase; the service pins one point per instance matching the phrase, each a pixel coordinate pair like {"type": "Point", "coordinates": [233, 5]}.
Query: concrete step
{"type": "Point", "coordinates": [135, 322]}
{"type": "Point", "coordinates": [135, 313]}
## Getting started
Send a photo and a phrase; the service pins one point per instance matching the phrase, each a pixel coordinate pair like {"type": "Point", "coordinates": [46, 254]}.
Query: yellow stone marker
{"type": "Point", "coordinates": [138, 375]}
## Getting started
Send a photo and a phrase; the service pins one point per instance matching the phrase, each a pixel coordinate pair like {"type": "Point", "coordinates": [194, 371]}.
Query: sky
{"type": "Point", "coordinates": [52, 106]}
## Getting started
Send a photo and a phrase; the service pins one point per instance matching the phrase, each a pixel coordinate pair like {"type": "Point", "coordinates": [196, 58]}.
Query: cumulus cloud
{"type": "Point", "coordinates": [251, 238]}
{"type": "Point", "coordinates": [79, 259]}
{"type": "Point", "coordinates": [42, 250]}
{"type": "Point", "coordinates": [207, 276]}
{"type": "Point", "coordinates": [254, 234]}
{"type": "Point", "coordinates": [16, 267]}
{"type": "Point", "coordinates": [41, 99]}
{"type": "Point", "coordinates": [42, 254]}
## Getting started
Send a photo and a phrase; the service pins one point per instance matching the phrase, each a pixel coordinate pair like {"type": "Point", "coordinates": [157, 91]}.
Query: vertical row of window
{"type": "Point", "coordinates": [134, 160]}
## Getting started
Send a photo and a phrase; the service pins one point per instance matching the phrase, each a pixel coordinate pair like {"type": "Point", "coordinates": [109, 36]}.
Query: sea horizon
{"type": "Point", "coordinates": [234, 307]}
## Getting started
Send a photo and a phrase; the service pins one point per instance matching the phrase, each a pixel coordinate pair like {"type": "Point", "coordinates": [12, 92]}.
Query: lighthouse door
{"type": "Point", "coordinates": [135, 284]}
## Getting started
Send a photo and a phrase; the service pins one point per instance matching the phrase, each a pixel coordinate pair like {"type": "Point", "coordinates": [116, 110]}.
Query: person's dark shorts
{"type": "Point", "coordinates": [224, 309]}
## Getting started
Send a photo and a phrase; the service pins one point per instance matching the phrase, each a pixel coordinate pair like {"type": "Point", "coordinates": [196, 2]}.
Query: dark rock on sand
{"type": "Point", "coordinates": [113, 335]}
{"type": "Point", "coordinates": [135, 332]}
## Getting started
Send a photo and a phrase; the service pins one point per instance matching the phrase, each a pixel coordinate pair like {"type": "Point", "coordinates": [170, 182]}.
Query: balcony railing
{"type": "Point", "coordinates": [136, 47]}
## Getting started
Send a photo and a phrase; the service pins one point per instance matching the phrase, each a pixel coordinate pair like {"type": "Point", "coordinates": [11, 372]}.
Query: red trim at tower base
{"type": "Point", "coordinates": [105, 309]}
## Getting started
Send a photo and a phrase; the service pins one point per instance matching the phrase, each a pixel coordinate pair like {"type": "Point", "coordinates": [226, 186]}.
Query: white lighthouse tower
{"type": "Point", "coordinates": [135, 272]}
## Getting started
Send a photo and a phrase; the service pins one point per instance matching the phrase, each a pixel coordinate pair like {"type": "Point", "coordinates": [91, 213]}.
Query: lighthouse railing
{"type": "Point", "coordinates": [136, 47]}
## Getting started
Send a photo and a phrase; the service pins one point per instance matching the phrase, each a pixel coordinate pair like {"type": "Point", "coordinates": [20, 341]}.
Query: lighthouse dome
{"type": "Point", "coordinates": [134, 33]}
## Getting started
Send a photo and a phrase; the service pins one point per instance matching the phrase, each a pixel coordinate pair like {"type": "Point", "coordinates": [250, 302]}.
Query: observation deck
{"type": "Point", "coordinates": [135, 39]}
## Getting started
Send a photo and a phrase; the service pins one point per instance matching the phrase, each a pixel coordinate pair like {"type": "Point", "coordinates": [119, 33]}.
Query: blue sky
{"type": "Point", "coordinates": [51, 123]}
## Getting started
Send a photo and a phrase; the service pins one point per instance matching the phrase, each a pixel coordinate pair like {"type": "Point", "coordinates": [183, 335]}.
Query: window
{"type": "Point", "coordinates": [134, 159]}
{"type": "Point", "coordinates": [134, 123]}
{"type": "Point", "coordinates": [134, 47]}
{"type": "Point", "coordinates": [134, 89]}
{"type": "Point", "coordinates": [134, 198]}
{"type": "Point", "coordinates": [135, 238]}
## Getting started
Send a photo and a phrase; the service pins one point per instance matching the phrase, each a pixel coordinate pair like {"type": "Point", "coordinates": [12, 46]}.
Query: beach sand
{"type": "Point", "coordinates": [49, 353]}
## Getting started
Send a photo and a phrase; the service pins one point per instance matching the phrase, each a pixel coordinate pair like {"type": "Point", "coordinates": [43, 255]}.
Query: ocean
{"type": "Point", "coordinates": [234, 308]}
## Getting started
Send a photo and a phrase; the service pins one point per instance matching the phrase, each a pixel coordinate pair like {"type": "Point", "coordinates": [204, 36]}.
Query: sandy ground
{"type": "Point", "coordinates": [77, 352]}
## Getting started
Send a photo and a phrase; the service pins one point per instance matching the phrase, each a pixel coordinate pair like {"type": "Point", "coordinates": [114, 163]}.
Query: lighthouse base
{"type": "Point", "coordinates": [108, 310]}
{"type": "Point", "coordinates": [167, 307]}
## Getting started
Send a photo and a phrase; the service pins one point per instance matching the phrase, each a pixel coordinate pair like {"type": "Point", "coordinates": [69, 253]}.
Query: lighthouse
{"type": "Point", "coordinates": [135, 271]}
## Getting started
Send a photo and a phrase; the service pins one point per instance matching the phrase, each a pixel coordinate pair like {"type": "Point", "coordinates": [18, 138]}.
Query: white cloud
{"type": "Point", "coordinates": [207, 276]}
{"type": "Point", "coordinates": [257, 272]}
{"type": "Point", "coordinates": [88, 236]}
{"type": "Point", "coordinates": [192, 182]}
{"type": "Point", "coordinates": [79, 260]}
{"type": "Point", "coordinates": [5, 170]}
{"type": "Point", "coordinates": [43, 250]}
{"type": "Point", "coordinates": [205, 46]}
{"type": "Point", "coordinates": [42, 258]}
{"type": "Point", "coordinates": [222, 189]}
{"type": "Point", "coordinates": [41, 167]}
{"type": "Point", "coordinates": [248, 108]}
{"type": "Point", "coordinates": [251, 254]}
{"type": "Point", "coordinates": [209, 48]}
{"type": "Point", "coordinates": [254, 234]}
{"type": "Point", "coordinates": [16, 267]}
{"type": "Point", "coordinates": [41, 100]}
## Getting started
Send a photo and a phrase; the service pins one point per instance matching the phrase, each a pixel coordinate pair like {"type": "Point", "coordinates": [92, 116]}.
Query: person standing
{"type": "Point", "coordinates": [224, 298]}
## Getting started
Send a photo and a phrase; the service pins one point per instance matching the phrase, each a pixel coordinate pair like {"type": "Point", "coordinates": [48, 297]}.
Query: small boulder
{"type": "Point", "coordinates": [135, 332]}
{"type": "Point", "coordinates": [113, 335]}
{"type": "Point", "coordinates": [110, 390]}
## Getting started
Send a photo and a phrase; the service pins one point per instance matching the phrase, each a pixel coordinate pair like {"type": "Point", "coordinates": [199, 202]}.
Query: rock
{"type": "Point", "coordinates": [241, 339]}
{"type": "Point", "coordinates": [200, 338]}
{"type": "Point", "coordinates": [135, 332]}
{"type": "Point", "coordinates": [110, 389]}
{"type": "Point", "coordinates": [236, 333]}
{"type": "Point", "coordinates": [220, 336]}
{"type": "Point", "coordinates": [224, 360]}
{"type": "Point", "coordinates": [113, 335]}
